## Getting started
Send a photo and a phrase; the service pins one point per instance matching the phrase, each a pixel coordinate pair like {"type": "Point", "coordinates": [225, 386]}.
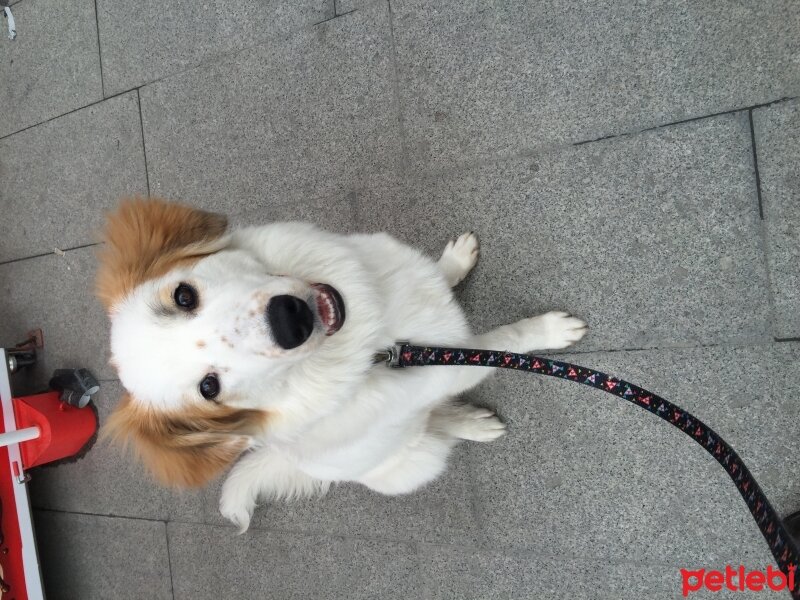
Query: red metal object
{"type": "Point", "coordinates": [60, 431]}
{"type": "Point", "coordinates": [64, 428]}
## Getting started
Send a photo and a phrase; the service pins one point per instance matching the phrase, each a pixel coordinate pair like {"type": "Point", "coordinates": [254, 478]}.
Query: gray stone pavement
{"type": "Point", "coordinates": [634, 163]}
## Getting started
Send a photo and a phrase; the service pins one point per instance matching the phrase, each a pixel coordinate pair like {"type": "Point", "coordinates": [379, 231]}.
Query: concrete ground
{"type": "Point", "coordinates": [635, 163]}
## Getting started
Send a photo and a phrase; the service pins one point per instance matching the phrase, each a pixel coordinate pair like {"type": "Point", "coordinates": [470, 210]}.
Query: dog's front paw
{"type": "Point", "coordinates": [477, 424]}
{"type": "Point", "coordinates": [459, 257]}
{"type": "Point", "coordinates": [553, 330]}
{"type": "Point", "coordinates": [463, 250]}
{"type": "Point", "coordinates": [238, 509]}
{"type": "Point", "coordinates": [562, 329]}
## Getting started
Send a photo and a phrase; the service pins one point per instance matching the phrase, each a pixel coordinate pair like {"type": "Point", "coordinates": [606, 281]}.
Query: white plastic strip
{"type": "Point", "coordinates": [19, 436]}
{"type": "Point", "coordinates": [12, 25]}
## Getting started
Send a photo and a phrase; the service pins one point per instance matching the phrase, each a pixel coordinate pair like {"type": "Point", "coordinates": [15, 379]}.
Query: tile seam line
{"type": "Point", "coordinates": [144, 145]}
{"type": "Point", "coordinates": [93, 514]}
{"type": "Point", "coordinates": [755, 163]}
{"type": "Point", "coordinates": [333, 18]}
{"type": "Point", "coordinates": [526, 551]}
{"type": "Point", "coordinates": [531, 552]}
{"type": "Point", "coordinates": [561, 146]}
{"type": "Point", "coordinates": [747, 343]}
{"type": "Point", "coordinates": [763, 233]}
{"type": "Point", "coordinates": [43, 254]}
{"type": "Point", "coordinates": [217, 525]}
{"type": "Point", "coordinates": [305, 532]}
{"type": "Point", "coordinates": [99, 50]}
{"type": "Point", "coordinates": [66, 114]}
{"type": "Point", "coordinates": [631, 132]}
{"type": "Point", "coordinates": [418, 545]}
{"type": "Point", "coordinates": [169, 560]}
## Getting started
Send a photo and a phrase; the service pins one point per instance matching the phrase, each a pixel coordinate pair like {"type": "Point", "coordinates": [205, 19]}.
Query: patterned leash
{"type": "Point", "coordinates": [780, 542]}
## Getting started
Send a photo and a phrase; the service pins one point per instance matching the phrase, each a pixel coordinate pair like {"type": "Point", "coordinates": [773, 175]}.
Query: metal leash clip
{"type": "Point", "coordinates": [390, 356]}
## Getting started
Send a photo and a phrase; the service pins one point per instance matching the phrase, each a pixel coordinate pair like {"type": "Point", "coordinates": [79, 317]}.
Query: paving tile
{"type": "Point", "coordinates": [582, 473]}
{"type": "Point", "coordinates": [145, 41]}
{"type": "Point", "coordinates": [105, 481]}
{"type": "Point", "coordinates": [290, 120]}
{"type": "Point", "coordinates": [56, 293]}
{"type": "Point", "coordinates": [466, 574]}
{"type": "Point", "coordinates": [85, 556]}
{"type": "Point", "coordinates": [281, 565]}
{"type": "Point", "coordinates": [483, 80]}
{"type": "Point", "coordinates": [52, 67]}
{"type": "Point", "coordinates": [441, 512]}
{"type": "Point", "coordinates": [653, 239]}
{"type": "Point", "coordinates": [777, 132]}
{"type": "Point", "coordinates": [54, 178]}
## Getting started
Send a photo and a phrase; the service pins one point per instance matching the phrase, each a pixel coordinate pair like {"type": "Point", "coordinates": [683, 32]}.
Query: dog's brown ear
{"type": "Point", "coordinates": [186, 448]}
{"type": "Point", "coordinates": [143, 239]}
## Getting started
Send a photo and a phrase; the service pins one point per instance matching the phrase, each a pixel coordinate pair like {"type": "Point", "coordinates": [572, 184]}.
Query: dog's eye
{"type": "Point", "coordinates": [209, 387]}
{"type": "Point", "coordinates": [185, 296]}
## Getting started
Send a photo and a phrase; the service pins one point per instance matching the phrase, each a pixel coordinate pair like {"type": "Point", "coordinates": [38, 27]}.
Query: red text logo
{"type": "Point", "coordinates": [737, 580]}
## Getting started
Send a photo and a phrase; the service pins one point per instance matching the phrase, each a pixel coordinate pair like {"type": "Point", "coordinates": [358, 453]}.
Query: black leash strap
{"type": "Point", "coordinates": [780, 542]}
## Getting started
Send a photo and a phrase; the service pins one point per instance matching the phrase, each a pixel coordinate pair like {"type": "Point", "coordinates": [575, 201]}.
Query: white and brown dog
{"type": "Point", "coordinates": [255, 348]}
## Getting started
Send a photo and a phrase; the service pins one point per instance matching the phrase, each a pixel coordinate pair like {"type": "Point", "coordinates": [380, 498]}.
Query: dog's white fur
{"type": "Point", "coordinates": [335, 416]}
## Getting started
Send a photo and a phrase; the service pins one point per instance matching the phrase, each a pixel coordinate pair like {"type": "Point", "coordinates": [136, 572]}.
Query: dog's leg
{"type": "Point", "coordinates": [550, 331]}
{"type": "Point", "coordinates": [458, 258]}
{"type": "Point", "coordinates": [267, 475]}
{"type": "Point", "coordinates": [425, 459]}
{"type": "Point", "coordinates": [413, 466]}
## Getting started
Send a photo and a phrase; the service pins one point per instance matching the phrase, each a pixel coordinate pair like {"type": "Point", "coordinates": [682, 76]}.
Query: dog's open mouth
{"type": "Point", "coordinates": [330, 307]}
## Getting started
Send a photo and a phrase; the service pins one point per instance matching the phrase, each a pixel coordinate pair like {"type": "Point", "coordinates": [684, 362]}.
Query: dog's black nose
{"type": "Point", "coordinates": [291, 321]}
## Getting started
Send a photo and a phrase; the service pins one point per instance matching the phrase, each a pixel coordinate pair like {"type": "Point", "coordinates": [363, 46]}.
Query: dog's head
{"type": "Point", "coordinates": [200, 332]}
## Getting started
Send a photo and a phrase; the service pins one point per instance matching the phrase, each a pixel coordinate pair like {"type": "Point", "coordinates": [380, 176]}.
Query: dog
{"type": "Point", "coordinates": [255, 349]}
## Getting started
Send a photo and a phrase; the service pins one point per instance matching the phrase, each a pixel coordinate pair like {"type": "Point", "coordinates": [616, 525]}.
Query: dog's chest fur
{"type": "Point", "coordinates": [410, 301]}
